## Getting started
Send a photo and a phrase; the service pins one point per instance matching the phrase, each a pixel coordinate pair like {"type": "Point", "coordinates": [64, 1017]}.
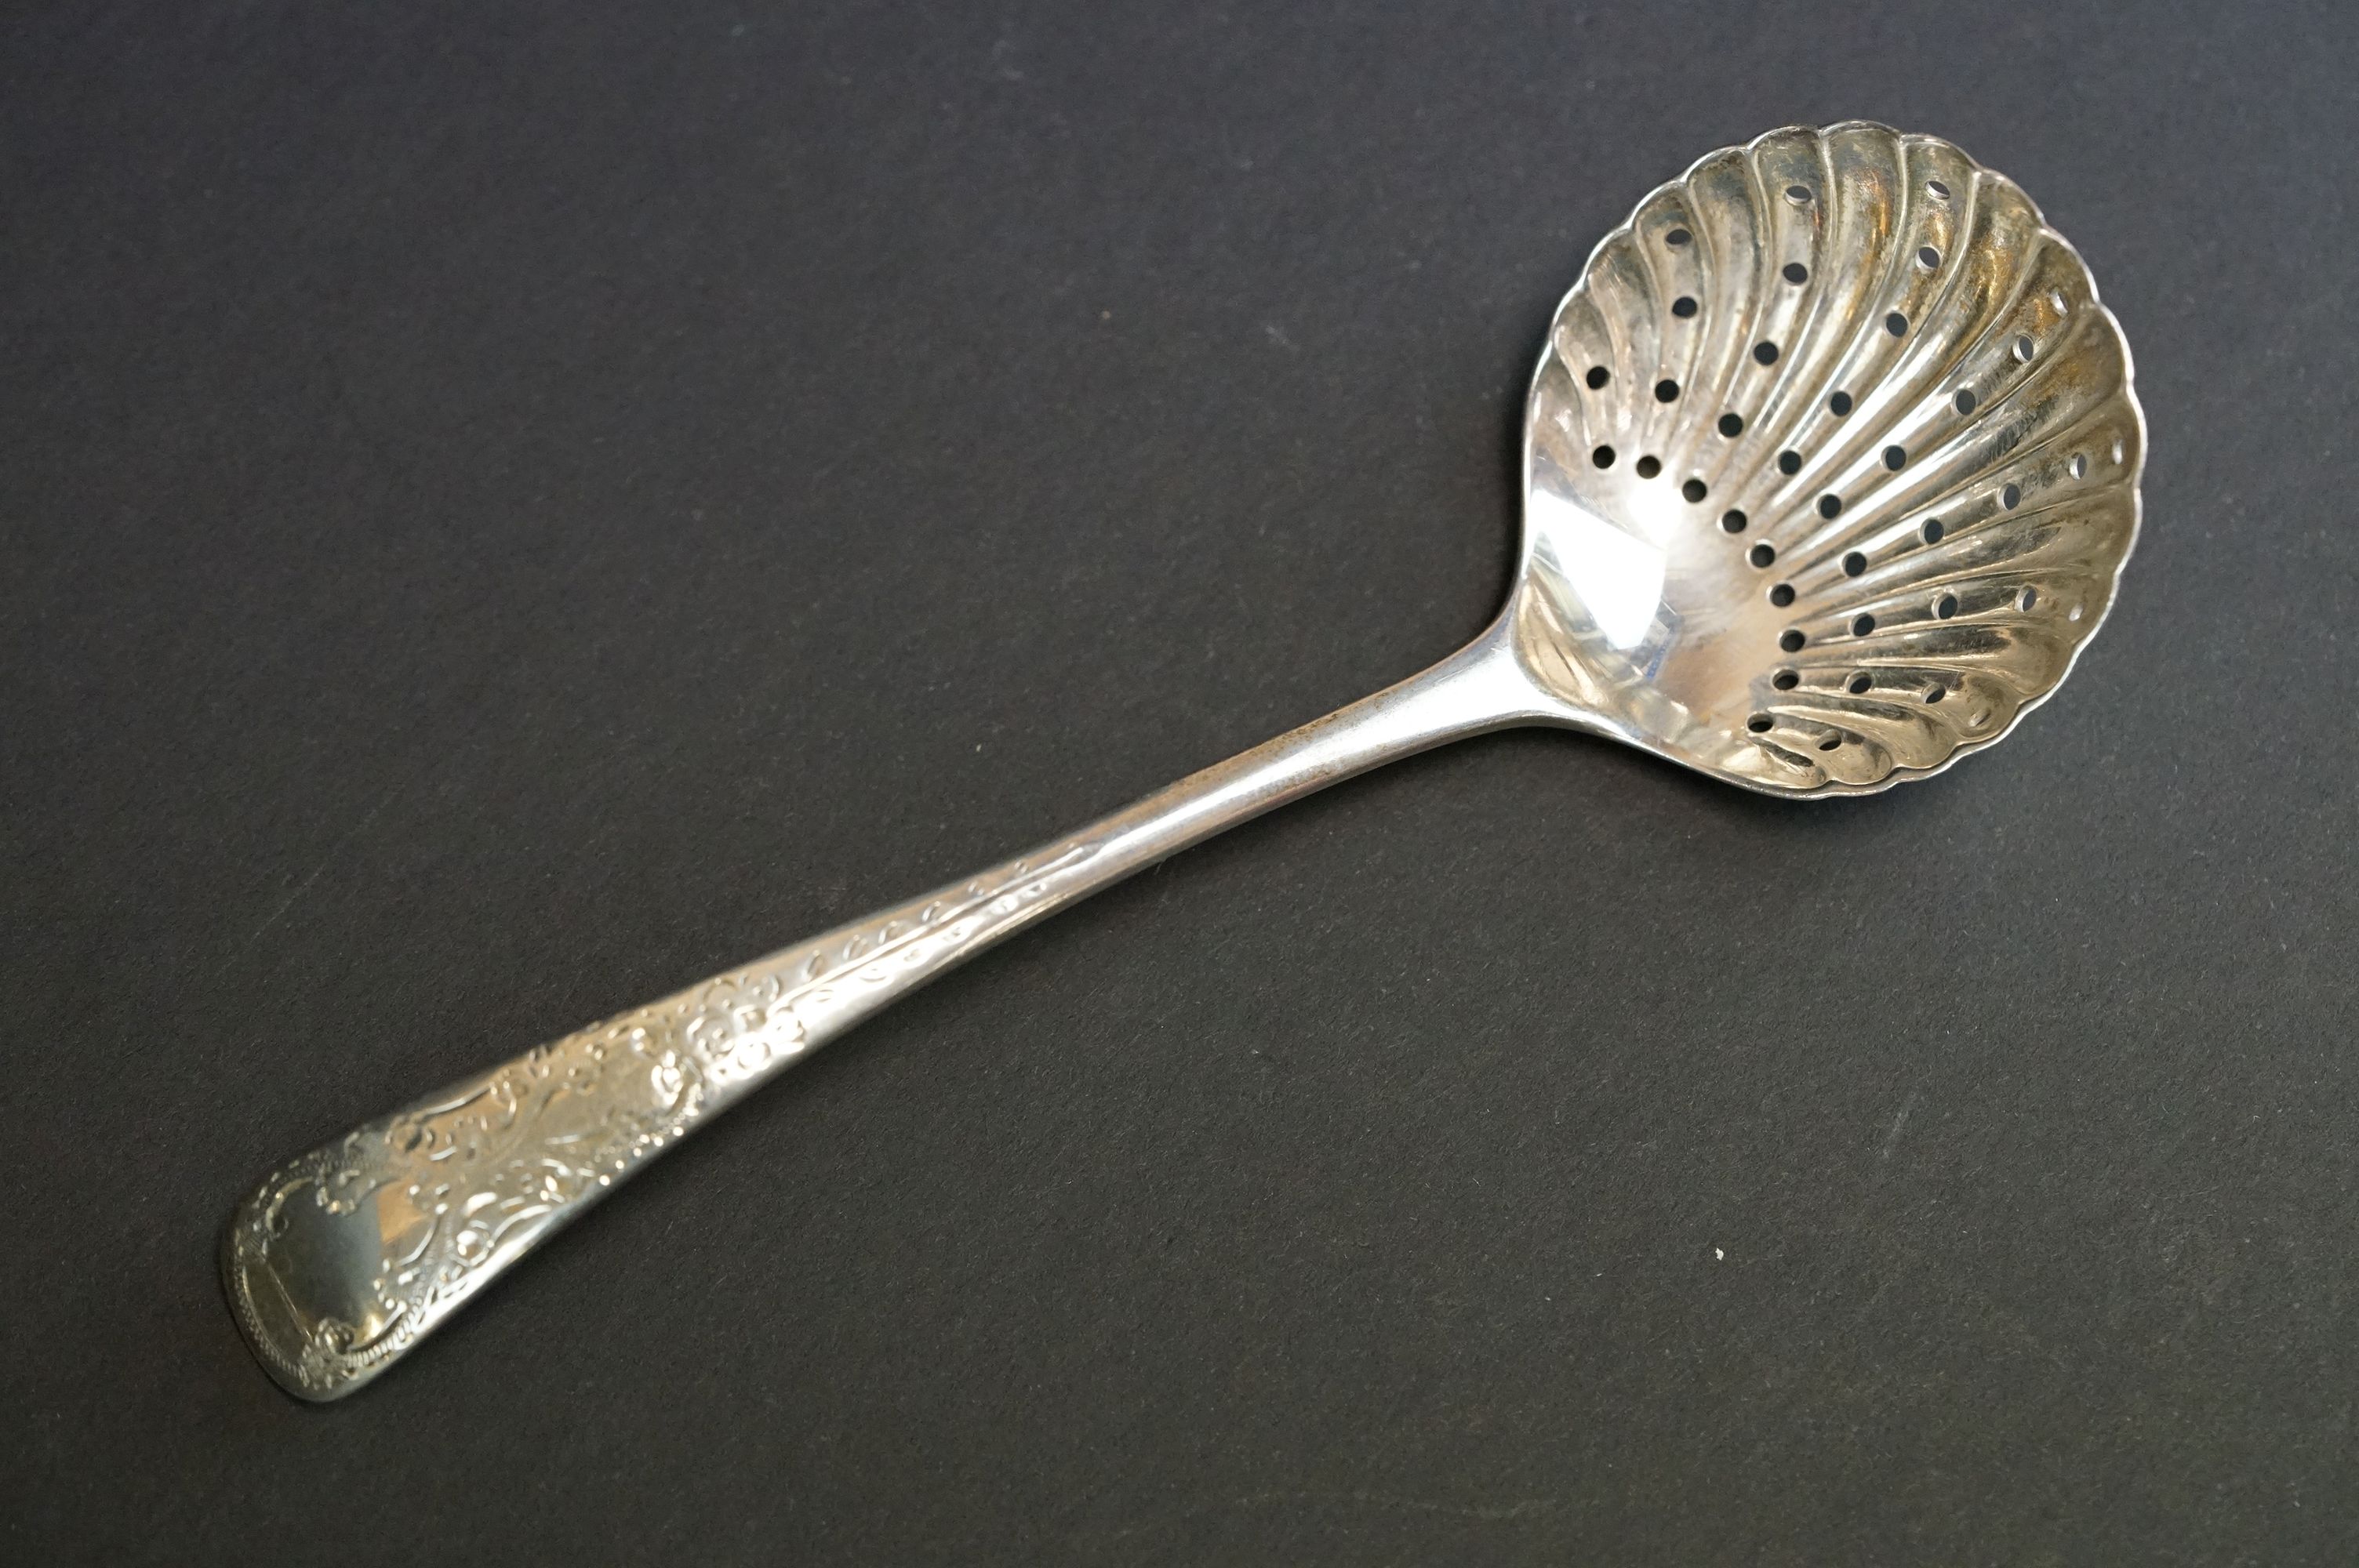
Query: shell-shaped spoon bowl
{"type": "Point", "coordinates": [1831, 465]}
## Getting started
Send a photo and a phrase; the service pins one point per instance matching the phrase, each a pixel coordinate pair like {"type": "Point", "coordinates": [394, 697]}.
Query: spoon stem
{"type": "Point", "coordinates": [350, 1254]}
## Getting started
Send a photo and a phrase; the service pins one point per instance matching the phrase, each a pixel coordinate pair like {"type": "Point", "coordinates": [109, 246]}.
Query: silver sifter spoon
{"type": "Point", "coordinates": [1831, 464]}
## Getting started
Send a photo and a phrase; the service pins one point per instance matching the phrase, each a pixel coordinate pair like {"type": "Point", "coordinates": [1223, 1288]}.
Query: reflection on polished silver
{"type": "Point", "coordinates": [1831, 465]}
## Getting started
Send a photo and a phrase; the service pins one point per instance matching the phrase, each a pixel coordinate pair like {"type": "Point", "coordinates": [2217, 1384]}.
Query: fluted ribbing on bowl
{"type": "Point", "coordinates": [1871, 406]}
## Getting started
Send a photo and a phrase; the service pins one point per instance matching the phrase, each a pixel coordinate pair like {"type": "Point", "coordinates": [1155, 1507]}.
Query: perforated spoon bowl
{"type": "Point", "coordinates": [1831, 465]}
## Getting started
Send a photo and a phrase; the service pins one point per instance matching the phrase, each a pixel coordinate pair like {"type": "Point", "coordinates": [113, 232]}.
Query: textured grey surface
{"type": "Point", "coordinates": [507, 513]}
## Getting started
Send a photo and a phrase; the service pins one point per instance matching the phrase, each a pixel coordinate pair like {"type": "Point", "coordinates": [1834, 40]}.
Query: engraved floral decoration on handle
{"type": "Point", "coordinates": [347, 1255]}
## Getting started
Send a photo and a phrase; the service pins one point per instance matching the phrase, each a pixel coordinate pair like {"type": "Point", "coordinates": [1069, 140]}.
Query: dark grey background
{"type": "Point", "coordinates": [508, 509]}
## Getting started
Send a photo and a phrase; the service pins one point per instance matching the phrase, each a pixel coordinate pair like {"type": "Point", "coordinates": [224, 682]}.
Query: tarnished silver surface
{"type": "Point", "coordinates": [1831, 465]}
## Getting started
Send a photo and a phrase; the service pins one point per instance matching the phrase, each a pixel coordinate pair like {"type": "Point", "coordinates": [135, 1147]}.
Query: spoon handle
{"type": "Point", "coordinates": [350, 1254]}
